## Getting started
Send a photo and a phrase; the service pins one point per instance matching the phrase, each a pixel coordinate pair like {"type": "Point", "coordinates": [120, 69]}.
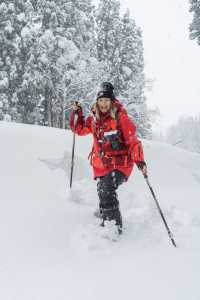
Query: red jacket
{"type": "Point", "coordinates": [103, 157]}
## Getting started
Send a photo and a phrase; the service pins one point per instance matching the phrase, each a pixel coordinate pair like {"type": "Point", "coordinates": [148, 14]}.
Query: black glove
{"type": "Point", "coordinates": [74, 105]}
{"type": "Point", "coordinates": [141, 165]}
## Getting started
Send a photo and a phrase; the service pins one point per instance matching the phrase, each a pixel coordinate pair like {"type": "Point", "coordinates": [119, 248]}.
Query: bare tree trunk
{"type": "Point", "coordinates": [48, 107]}
{"type": "Point", "coordinates": [63, 119]}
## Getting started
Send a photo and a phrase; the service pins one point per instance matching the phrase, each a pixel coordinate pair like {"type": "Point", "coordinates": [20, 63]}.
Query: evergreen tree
{"type": "Point", "coordinates": [131, 78]}
{"type": "Point", "coordinates": [17, 40]}
{"type": "Point", "coordinates": [195, 25]}
{"type": "Point", "coordinates": [55, 51]}
{"type": "Point", "coordinates": [108, 34]}
{"type": "Point", "coordinates": [56, 58]}
{"type": "Point", "coordinates": [43, 42]}
{"type": "Point", "coordinates": [120, 48]}
{"type": "Point", "coordinates": [72, 47]}
{"type": "Point", "coordinates": [9, 63]}
{"type": "Point", "coordinates": [186, 133]}
{"type": "Point", "coordinates": [28, 97]}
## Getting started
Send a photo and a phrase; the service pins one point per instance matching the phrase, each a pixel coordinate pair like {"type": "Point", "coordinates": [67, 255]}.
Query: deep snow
{"type": "Point", "coordinates": [52, 246]}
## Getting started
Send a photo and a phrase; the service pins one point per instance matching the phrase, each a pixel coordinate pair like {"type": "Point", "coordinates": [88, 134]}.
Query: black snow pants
{"type": "Point", "coordinates": [109, 203]}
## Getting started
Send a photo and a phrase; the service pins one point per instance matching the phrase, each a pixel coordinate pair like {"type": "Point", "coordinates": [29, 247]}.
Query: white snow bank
{"type": "Point", "coordinates": [51, 245]}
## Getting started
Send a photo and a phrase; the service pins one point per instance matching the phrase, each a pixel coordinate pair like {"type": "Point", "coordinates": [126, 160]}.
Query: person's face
{"type": "Point", "coordinates": [104, 104]}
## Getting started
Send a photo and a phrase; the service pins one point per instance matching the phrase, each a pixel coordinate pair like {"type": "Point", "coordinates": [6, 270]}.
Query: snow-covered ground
{"type": "Point", "coordinates": [51, 247]}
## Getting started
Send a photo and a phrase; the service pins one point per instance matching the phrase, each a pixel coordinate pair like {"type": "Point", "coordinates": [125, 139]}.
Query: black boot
{"type": "Point", "coordinates": [112, 214]}
{"type": "Point", "coordinates": [118, 219]}
{"type": "Point", "coordinates": [109, 204]}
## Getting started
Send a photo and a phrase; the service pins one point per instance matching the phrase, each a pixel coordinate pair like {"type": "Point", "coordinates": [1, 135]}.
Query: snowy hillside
{"type": "Point", "coordinates": [52, 247]}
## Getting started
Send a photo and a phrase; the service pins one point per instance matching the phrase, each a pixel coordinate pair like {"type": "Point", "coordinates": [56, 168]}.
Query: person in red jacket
{"type": "Point", "coordinates": [115, 148]}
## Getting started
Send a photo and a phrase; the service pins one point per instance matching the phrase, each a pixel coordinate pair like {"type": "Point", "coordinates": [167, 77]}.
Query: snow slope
{"type": "Point", "coordinates": [51, 247]}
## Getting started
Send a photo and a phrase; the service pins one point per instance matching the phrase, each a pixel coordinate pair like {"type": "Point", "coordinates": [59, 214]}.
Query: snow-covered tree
{"type": "Point", "coordinates": [9, 63]}
{"type": "Point", "coordinates": [43, 41]}
{"type": "Point", "coordinates": [69, 26]}
{"type": "Point", "coordinates": [186, 133]}
{"type": "Point", "coordinates": [17, 36]}
{"type": "Point", "coordinates": [131, 76]}
{"type": "Point", "coordinates": [120, 48]}
{"type": "Point", "coordinates": [55, 51]}
{"type": "Point", "coordinates": [195, 25]}
{"type": "Point", "coordinates": [108, 33]}
{"type": "Point", "coordinates": [28, 97]}
{"type": "Point", "coordinates": [56, 56]}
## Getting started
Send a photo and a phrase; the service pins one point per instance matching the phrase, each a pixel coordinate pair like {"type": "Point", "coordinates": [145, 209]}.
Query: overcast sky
{"type": "Point", "coordinates": [171, 58]}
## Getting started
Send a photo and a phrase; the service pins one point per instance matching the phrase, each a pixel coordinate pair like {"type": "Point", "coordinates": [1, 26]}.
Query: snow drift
{"type": "Point", "coordinates": [52, 246]}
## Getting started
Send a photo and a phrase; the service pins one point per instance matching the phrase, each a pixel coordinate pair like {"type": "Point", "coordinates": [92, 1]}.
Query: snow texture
{"type": "Point", "coordinates": [52, 246]}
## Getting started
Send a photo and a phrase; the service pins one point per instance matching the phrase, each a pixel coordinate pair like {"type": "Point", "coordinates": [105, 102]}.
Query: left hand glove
{"type": "Point", "coordinates": [142, 166]}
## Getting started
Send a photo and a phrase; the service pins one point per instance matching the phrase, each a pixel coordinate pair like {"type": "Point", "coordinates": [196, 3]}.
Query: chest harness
{"type": "Point", "coordinates": [109, 135]}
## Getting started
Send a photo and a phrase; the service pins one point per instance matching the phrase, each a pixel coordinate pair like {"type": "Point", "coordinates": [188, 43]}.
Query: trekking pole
{"type": "Point", "coordinates": [160, 211]}
{"type": "Point", "coordinates": [73, 152]}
